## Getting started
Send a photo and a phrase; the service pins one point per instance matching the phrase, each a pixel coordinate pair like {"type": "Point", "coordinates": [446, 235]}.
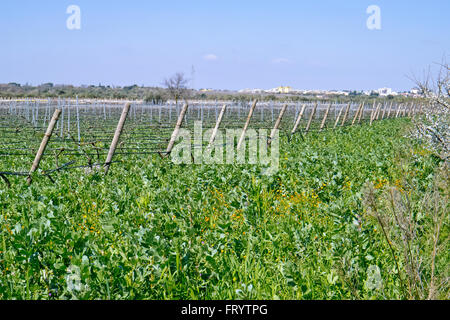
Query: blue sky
{"type": "Point", "coordinates": [232, 44]}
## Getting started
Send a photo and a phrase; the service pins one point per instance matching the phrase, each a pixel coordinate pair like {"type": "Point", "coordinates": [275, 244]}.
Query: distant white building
{"type": "Point", "coordinates": [337, 93]}
{"type": "Point", "coordinates": [281, 89]}
{"type": "Point", "coordinates": [386, 92]}
{"type": "Point", "coordinates": [274, 90]}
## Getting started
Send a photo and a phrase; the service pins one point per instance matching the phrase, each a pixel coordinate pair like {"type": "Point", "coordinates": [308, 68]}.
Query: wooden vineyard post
{"type": "Point", "coordinates": [398, 111]}
{"type": "Point", "coordinates": [325, 117]}
{"type": "Point", "coordinates": [338, 117]}
{"type": "Point", "coordinates": [356, 114]}
{"type": "Point", "coordinates": [361, 113]}
{"type": "Point", "coordinates": [43, 145]}
{"type": "Point", "coordinates": [250, 113]}
{"type": "Point", "coordinates": [378, 112]}
{"type": "Point", "coordinates": [373, 112]}
{"type": "Point", "coordinates": [174, 136]}
{"type": "Point", "coordinates": [216, 128]}
{"type": "Point", "coordinates": [277, 124]}
{"type": "Point", "coordinates": [346, 114]}
{"type": "Point", "coordinates": [384, 111]}
{"type": "Point", "coordinates": [410, 110]}
{"type": "Point", "coordinates": [299, 118]}
{"type": "Point", "coordinates": [389, 112]}
{"type": "Point", "coordinates": [116, 137]}
{"type": "Point", "coordinates": [311, 117]}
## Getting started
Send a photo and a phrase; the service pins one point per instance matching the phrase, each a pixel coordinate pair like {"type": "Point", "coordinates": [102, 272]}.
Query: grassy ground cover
{"type": "Point", "coordinates": [318, 229]}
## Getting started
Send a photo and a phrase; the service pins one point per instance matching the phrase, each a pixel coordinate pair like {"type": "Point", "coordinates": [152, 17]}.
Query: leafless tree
{"type": "Point", "coordinates": [433, 124]}
{"type": "Point", "coordinates": [177, 86]}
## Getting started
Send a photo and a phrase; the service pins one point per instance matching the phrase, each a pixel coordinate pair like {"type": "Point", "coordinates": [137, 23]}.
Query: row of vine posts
{"type": "Point", "coordinates": [378, 112]}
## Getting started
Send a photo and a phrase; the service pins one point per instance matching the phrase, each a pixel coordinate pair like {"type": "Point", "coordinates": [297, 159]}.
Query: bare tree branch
{"type": "Point", "coordinates": [177, 86]}
{"type": "Point", "coordinates": [433, 125]}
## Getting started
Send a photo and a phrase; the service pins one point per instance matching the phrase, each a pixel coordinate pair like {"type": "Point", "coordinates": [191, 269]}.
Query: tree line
{"type": "Point", "coordinates": [173, 88]}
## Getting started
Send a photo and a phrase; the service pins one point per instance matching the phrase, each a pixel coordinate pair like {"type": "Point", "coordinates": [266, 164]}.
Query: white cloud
{"type": "Point", "coordinates": [281, 60]}
{"type": "Point", "coordinates": [210, 57]}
